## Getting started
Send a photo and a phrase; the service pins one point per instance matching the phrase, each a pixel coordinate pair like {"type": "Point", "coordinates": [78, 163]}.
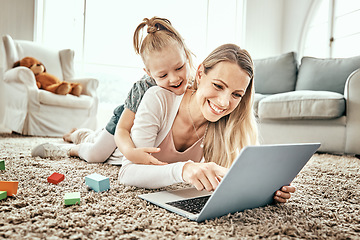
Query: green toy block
{"type": "Point", "coordinates": [3, 195]}
{"type": "Point", "coordinates": [2, 164]}
{"type": "Point", "coordinates": [72, 198]}
{"type": "Point", "coordinates": [97, 182]}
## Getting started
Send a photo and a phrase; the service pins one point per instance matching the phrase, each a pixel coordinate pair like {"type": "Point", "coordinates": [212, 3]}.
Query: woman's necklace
{"type": "Point", "coordinates": [188, 107]}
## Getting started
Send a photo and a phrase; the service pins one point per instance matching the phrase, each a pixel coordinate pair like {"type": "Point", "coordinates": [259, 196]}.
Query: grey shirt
{"type": "Point", "coordinates": [132, 101]}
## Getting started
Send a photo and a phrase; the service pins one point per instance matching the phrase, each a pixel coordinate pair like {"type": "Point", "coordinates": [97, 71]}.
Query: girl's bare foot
{"type": "Point", "coordinates": [66, 136]}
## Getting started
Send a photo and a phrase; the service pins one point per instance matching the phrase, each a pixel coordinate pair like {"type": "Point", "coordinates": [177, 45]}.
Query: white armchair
{"type": "Point", "coordinates": [33, 111]}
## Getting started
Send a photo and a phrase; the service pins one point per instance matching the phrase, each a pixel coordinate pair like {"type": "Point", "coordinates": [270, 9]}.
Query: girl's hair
{"type": "Point", "coordinates": [226, 137]}
{"type": "Point", "coordinates": [160, 34]}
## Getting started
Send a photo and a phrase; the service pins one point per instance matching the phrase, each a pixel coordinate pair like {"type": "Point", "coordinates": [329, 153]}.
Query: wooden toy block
{"type": "Point", "coordinates": [3, 195]}
{"type": "Point", "coordinates": [10, 187]}
{"type": "Point", "coordinates": [97, 182]}
{"type": "Point", "coordinates": [2, 164]}
{"type": "Point", "coordinates": [55, 178]}
{"type": "Point", "coordinates": [72, 198]}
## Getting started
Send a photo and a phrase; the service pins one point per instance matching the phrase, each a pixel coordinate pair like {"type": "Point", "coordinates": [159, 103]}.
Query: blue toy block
{"type": "Point", "coordinates": [72, 198]}
{"type": "Point", "coordinates": [3, 195]}
{"type": "Point", "coordinates": [97, 182]}
{"type": "Point", "coordinates": [2, 164]}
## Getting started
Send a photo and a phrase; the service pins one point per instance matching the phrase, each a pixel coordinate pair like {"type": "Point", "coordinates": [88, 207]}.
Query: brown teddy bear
{"type": "Point", "coordinates": [47, 81]}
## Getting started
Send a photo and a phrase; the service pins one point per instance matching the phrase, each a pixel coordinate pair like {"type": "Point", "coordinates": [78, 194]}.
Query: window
{"type": "Point", "coordinates": [333, 30]}
{"type": "Point", "coordinates": [101, 34]}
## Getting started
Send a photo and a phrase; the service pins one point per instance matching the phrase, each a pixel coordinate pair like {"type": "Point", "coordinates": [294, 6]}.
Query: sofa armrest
{"type": "Point", "coordinates": [20, 75]}
{"type": "Point", "coordinates": [22, 94]}
{"type": "Point", "coordinates": [89, 85]}
{"type": "Point", "coordinates": [22, 78]}
{"type": "Point", "coordinates": [352, 96]}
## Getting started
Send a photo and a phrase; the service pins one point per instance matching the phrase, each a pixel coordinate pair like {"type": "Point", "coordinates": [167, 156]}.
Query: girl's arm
{"type": "Point", "coordinates": [126, 146]}
{"type": "Point", "coordinates": [152, 123]}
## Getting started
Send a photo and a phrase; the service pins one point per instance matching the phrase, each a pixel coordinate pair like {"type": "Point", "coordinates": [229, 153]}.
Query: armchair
{"type": "Point", "coordinates": [33, 111]}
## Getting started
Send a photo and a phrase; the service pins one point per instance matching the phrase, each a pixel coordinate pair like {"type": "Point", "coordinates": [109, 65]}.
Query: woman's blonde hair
{"type": "Point", "coordinates": [226, 137]}
{"type": "Point", "coordinates": [160, 34]}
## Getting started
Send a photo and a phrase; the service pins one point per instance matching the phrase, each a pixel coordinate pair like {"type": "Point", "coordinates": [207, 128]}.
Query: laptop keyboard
{"type": "Point", "coordinates": [193, 205]}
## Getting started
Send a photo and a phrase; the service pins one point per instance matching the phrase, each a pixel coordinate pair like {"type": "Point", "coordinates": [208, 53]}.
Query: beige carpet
{"type": "Point", "coordinates": [325, 206]}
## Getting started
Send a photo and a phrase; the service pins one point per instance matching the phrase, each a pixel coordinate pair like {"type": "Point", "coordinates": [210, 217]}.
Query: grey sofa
{"type": "Point", "coordinates": [316, 101]}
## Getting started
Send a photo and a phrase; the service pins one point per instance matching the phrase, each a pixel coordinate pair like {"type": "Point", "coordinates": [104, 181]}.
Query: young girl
{"type": "Point", "coordinates": [167, 61]}
{"type": "Point", "coordinates": [200, 132]}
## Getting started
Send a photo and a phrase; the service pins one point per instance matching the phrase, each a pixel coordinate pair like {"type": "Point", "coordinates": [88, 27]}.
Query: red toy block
{"type": "Point", "coordinates": [10, 187]}
{"type": "Point", "coordinates": [55, 178]}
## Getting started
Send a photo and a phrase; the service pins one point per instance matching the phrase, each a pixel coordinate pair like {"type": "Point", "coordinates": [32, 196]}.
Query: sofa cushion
{"type": "Point", "coordinates": [258, 97]}
{"type": "Point", "coordinates": [302, 105]}
{"type": "Point", "coordinates": [69, 101]}
{"type": "Point", "coordinates": [275, 74]}
{"type": "Point", "coordinates": [49, 57]}
{"type": "Point", "coordinates": [325, 74]}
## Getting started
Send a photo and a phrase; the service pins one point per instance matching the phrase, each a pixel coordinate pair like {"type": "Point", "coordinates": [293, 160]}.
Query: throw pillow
{"type": "Point", "coordinates": [275, 74]}
{"type": "Point", "coordinates": [325, 74]}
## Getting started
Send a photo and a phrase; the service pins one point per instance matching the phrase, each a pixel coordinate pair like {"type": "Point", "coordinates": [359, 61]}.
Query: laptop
{"type": "Point", "coordinates": [256, 174]}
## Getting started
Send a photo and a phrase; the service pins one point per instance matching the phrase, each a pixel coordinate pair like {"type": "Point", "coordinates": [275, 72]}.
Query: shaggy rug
{"type": "Point", "coordinates": [325, 205]}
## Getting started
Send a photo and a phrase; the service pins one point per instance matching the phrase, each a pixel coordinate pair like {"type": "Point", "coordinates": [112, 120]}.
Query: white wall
{"type": "Point", "coordinates": [17, 20]}
{"type": "Point", "coordinates": [274, 27]}
{"type": "Point", "coordinates": [263, 33]}
{"type": "Point", "coordinates": [295, 15]}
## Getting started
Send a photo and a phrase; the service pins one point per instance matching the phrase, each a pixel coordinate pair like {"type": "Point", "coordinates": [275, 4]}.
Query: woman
{"type": "Point", "coordinates": [200, 132]}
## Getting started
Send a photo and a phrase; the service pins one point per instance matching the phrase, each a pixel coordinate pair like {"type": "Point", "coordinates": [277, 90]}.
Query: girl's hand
{"type": "Point", "coordinates": [143, 156]}
{"type": "Point", "coordinates": [282, 195]}
{"type": "Point", "coordinates": [203, 175]}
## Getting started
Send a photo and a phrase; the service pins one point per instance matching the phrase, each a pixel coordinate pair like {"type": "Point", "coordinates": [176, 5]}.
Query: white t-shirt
{"type": "Point", "coordinates": [153, 121]}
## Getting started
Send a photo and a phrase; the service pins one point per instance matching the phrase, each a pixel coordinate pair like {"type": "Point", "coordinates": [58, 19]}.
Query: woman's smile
{"type": "Point", "coordinates": [215, 109]}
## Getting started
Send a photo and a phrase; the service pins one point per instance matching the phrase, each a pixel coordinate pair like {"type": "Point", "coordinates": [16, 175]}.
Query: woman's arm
{"type": "Point", "coordinates": [150, 176]}
{"type": "Point", "coordinates": [126, 146]}
{"type": "Point", "coordinates": [200, 175]}
{"type": "Point", "coordinates": [282, 195]}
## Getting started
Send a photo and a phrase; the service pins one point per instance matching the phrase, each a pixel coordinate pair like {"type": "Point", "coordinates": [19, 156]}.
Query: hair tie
{"type": "Point", "coordinates": [152, 29]}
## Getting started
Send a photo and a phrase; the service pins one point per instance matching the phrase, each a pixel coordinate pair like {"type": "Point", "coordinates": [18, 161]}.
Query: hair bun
{"type": "Point", "coordinates": [152, 29]}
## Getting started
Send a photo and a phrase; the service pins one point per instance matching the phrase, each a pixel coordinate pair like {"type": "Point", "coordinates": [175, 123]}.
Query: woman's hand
{"type": "Point", "coordinates": [282, 195]}
{"type": "Point", "coordinates": [203, 175]}
{"type": "Point", "coordinates": [143, 156]}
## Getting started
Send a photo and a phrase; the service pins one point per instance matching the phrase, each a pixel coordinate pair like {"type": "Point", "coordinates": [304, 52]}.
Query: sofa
{"type": "Point", "coordinates": [317, 100]}
{"type": "Point", "coordinates": [33, 111]}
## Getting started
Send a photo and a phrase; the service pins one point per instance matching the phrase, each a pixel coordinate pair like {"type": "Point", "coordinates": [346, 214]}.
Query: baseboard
{"type": "Point", "coordinates": [3, 129]}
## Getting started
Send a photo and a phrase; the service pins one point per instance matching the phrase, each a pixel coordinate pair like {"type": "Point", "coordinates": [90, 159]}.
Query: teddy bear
{"type": "Point", "coordinates": [47, 81]}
